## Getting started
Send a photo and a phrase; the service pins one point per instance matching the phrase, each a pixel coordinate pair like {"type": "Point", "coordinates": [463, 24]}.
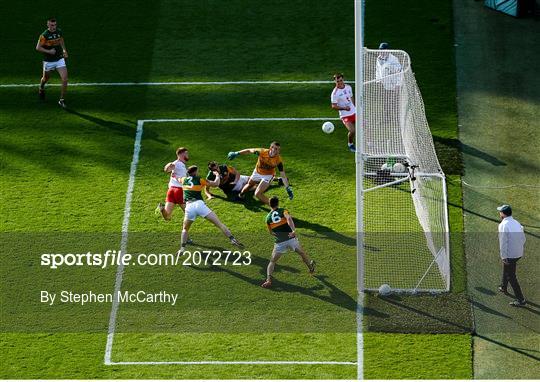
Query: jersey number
{"type": "Point", "coordinates": [189, 181]}
{"type": "Point", "coordinates": [275, 217]}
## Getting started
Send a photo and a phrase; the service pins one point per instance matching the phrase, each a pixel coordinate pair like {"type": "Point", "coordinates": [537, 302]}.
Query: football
{"type": "Point", "coordinates": [398, 167]}
{"type": "Point", "coordinates": [385, 290]}
{"type": "Point", "coordinates": [328, 127]}
{"type": "Point", "coordinates": [386, 167]}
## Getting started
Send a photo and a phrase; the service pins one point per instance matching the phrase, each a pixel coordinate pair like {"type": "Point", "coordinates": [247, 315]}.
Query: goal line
{"type": "Point", "coordinates": [123, 248]}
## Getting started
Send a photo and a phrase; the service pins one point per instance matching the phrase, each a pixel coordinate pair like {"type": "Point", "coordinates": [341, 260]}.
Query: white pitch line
{"type": "Point", "coordinates": [176, 83]}
{"type": "Point", "coordinates": [234, 363]}
{"type": "Point", "coordinates": [237, 119]}
{"type": "Point", "coordinates": [123, 243]}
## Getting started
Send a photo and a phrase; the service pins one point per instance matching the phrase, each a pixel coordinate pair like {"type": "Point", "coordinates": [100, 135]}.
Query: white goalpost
{"type": "Point", "coordinates": [403, 211]}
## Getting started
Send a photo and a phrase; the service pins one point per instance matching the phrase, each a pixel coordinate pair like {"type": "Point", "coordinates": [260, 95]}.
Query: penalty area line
{"type": "Point", "coordinates": [124, 241]}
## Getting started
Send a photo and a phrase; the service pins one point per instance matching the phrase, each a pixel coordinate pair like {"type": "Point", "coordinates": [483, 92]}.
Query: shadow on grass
{"type": "Point", "coordinates": [450, 151]}
{"type": "Point", "coordinates": [396, 302]}
{"type": "Point", "coordinates": [483, 290]}
{"type": "Point", "coordinates": [335, 295]}
{"type": "Point", "coordinates": [127, 129]}
{"type": "Point", "coordinates": [253, 204]}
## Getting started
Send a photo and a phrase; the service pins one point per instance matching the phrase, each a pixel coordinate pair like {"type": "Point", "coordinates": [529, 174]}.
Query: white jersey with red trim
{"type": "Point", "coordinates": [343, 98]}
{"type": "Point", "coordinates": [179, 171]}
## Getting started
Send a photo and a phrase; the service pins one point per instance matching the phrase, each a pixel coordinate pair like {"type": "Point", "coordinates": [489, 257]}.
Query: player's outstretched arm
{"type": "Point", "coordinates": [234, 154]}
{"type": "Point", "coordinates": [169, 167]}
{"type": "Point", "coordinates": [215, 182]}
{"type": "Point", "coordinates": [288, 187]}
{"type": "Point", "coordinates": [290, 222]}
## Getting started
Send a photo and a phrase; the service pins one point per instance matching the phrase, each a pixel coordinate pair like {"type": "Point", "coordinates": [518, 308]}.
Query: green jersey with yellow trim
{"type": "Point", "coordinates": [228, 174]}
{"type": "Point", "coordinates": [277, 222]}
{"type": "Point", "coordinates": [193, 186]}
{"type": "Point", "coordinates": [51, 40]}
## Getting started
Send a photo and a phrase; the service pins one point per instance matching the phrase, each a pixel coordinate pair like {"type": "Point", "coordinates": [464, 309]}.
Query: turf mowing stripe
{"type": "Point", "coordinates": [123, 244]}
{"type": "Point", "coordinates": [173, 83]}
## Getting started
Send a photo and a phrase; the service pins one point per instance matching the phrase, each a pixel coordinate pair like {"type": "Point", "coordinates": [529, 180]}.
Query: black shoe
{"type": "Point", "coordinates": [62, 103]}
{"type": "Point", "coordinates": [42, 94]}
{"type": "Point", "coordinates": [502, 290]}
{"type": "Point", "coordinates": [518, 303]}
{"type": "Point", "coordinates": [312, 267]}
{"type": "Point", "coordinates": [236, 242]}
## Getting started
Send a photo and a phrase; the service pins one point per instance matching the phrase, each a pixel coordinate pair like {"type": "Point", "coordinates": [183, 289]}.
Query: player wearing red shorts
{"type": "Point", "coordinates": [343, 100]}
{"type": "Point", "coordinates": [175, 193]}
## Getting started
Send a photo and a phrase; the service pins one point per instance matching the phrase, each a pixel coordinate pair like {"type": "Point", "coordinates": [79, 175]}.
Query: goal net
{"type": "Point", "coordinates": [405, 240]}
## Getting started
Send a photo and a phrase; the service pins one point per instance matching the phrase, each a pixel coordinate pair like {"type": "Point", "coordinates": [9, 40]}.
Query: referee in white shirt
{"type": "Point", "coordinates": [511, 243]}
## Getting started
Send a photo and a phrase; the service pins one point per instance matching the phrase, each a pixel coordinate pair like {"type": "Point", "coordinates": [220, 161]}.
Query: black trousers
{"type": "Point", "coordinates": [509, 276]}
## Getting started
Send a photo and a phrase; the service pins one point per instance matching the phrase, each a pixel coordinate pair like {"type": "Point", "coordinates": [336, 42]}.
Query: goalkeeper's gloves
{"type": "Point", "coordinates": [289, 192]}
{"type": "Point", "coordinates": [232, 154]}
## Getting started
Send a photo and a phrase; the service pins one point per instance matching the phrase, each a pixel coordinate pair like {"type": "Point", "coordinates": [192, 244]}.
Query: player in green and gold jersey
{"type": "Point", "coordinates": [51, 44]}
{"type": "Point", "coordinates": [231, 182]}
{"type": "Point", "coordinates": [193, 185]}
{"type": "Point", "coordinates": [281, 226]}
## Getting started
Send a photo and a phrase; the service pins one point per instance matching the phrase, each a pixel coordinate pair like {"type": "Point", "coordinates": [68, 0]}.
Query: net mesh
{"type": "Point", "coordinates": [405, 217]}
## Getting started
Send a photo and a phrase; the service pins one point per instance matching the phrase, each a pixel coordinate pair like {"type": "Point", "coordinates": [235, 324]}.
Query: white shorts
{"type": "Point", "coordinates": [256, 177]}
{"type": "Point", "coordinates": [196, 208]}
{"type": "Point", "coordinates": [291, 244]}
{"type": "Point", "coordinates": [53, 65]}
{"type": "Point", "coordinates": [241, 183]}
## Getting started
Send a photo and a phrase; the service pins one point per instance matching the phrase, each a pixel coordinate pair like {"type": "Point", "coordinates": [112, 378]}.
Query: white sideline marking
{"type": "Point", "coordinates": [173, 83]}
{"type": "Point", "coordinates": [234, 363]}
{"type": "Point", "coordinates": [123, 243]}
{"type": "Point", "coordinates": [123, 248]}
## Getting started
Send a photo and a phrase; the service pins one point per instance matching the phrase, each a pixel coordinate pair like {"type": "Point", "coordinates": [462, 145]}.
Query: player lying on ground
{"type": "Point", "coordinates": [343, 101]}
{"type": "Point", "coordinates": [175, 193]}
{"type": "Point", "coordinates": [231, 182]}
{"type": "Point", "coordinates": [193, 186]}
{"type": "Point", "coordinates": [268, 160]}
{"type": "Point", "coordinates": [281, 226]}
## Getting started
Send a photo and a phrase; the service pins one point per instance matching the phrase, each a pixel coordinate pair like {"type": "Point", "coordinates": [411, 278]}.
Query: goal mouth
{"type": "Point", "coordinates": [404, 200]}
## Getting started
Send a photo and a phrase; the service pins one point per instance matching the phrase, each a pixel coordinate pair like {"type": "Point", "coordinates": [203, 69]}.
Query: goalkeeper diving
{"type": "Point", "coordinates": [263, 174]}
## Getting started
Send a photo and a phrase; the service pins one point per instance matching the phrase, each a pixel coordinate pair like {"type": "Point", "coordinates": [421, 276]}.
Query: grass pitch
{"type": "Point", "coordinates": [79, 162]}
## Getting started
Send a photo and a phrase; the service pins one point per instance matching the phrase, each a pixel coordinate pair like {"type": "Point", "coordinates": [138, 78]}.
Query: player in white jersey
{"type": "Point", "coordinates": [175, 193]}
{"type": "Point", "coordinates": [343, 100]}
{"type": "Point", "coordinates": [388, 70]}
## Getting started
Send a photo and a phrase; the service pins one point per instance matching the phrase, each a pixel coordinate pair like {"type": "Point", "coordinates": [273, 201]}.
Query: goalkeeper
{"type": "Point", "coordinates": [267, 162]}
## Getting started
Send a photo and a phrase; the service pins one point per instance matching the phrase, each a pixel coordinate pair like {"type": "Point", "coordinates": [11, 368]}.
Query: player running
{"type": "Point", "coordinates": [231, 182]}
{"type": "Point", "coordinates": [51, 44]}
{"type": "Point", "coordinates": [281, 226]}
{"type": "Point", "coordinates": [342, 100]}
{"type": "Point", "coordinates": [175, 193]}
{"type": "Point", "coordinates": [193, 185]}
{"type": "Point", "coordinates": [264, 171]}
